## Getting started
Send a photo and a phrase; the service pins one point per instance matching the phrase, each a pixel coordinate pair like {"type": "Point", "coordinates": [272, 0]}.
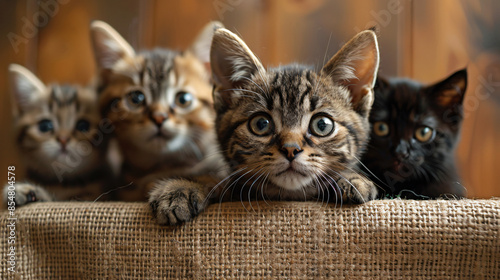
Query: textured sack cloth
{"type": "Point", "coordinates": [288, 240]}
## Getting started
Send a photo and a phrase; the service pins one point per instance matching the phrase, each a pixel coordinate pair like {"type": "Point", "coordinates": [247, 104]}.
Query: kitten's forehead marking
{"type": "Point", "coordinates": [160, 73]}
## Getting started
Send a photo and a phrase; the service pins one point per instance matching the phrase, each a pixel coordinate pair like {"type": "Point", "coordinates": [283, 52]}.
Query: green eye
{"type": "Point", "coordinates": [424, 134]}
{"type": "Point", "coordinates": [261, 125]}
{"type": "Point", "coordinates": [381, 129]}
{"type": "Point", "coordinates": [321, 126]}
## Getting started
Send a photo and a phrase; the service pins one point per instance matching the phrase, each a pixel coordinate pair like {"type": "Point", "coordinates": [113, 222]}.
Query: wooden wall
{"type": "Point", "coordinates": [425, 39]}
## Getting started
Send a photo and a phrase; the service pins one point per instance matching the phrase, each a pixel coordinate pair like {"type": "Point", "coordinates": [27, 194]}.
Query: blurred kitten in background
{"type": "Point", "coordinates": [415, 129]}
{"type": "Point", "coordinates": [160, 102]}
{"type": "Point", "coordinates": [61, 139]}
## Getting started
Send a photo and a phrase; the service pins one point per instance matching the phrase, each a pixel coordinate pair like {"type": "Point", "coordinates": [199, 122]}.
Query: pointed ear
{"type": "Point", "coordinates": [109, 46]}
{"type": "Point", "coordinates": [451, 91]}
{"type": "Point", "coordinates": [355, 66]}
{"type": "Point", "coordinates": [201, 45]}
{"type": "Point", "coordinates": [233, 65]}
{"type": "Point", "coordinates": [26, 88]}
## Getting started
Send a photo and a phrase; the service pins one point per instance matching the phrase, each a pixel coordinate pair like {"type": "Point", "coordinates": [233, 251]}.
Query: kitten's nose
{"type": "Point", "coordinates": [158, 118]}
{"type": "Point", "coordinates": [63, 140]}
{"type": "Point", "coordinates": [402, 150]}
{"type": "Point", "coordinates": [291, 150]}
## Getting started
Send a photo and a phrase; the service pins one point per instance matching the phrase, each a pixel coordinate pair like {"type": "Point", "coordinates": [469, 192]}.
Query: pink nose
{"type": "Point", "coordinates": [159, 118]}
{"type": "Point", "coordinates": [63, 140]}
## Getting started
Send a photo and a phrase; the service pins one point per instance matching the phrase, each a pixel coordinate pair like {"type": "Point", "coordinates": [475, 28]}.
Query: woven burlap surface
{"type": "Point", "coordinates": [397, 239]}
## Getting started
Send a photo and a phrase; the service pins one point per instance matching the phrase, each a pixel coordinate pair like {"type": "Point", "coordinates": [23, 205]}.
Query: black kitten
{"type": "Point", "coordinates": [415, 129]}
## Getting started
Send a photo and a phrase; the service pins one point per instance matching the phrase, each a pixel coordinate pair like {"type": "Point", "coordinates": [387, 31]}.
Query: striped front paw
{"type": "Point", "coordinates": [176, 201]}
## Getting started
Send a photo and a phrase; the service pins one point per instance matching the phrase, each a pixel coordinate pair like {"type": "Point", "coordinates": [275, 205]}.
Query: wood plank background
{"type": "Point", "coordinates": [425, 40]}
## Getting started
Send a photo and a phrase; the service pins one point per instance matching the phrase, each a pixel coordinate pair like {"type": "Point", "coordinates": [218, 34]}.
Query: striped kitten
{"type": "Point", "coordinates": [287, 133]}
{"type": "Point", "coordinates": [61, 140]}
{"type": "Point", "coordinates": [161, 105]}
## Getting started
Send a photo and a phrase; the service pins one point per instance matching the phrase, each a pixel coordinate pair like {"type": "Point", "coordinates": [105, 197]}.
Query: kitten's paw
{"type": "Point", "coordinates": [357, 188]}
{"type": "Point", "coordinates": [25, 193]}
{"type": "Point", "coordinates": [176, 201]}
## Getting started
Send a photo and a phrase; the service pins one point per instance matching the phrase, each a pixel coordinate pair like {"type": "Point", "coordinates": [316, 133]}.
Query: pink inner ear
{"type": "Point", "coordinates": [364, 70]}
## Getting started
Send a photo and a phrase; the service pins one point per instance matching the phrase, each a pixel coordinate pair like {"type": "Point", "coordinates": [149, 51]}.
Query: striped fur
{"type": "Point", "coordinates": [60, 139]}
{"type": "Point", "coordinates": [159, 138]}
{"type": "Point", "coordinates": [265, 128]}
{"type": "Point", "coordinates": [291, 97]}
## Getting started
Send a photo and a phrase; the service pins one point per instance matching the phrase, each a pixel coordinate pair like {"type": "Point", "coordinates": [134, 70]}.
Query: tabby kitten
{"type": "Point", "coordinates": [287, 133]}
{"type": "Point", "coordinates": [415, 131]}
{"type": "Point", "coordinates": [61, 140]}
{"type": "Point", "coordinates": [161, 105]}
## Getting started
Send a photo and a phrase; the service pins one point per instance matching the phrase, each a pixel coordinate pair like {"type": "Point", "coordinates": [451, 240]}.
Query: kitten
{"type": "Point", "coordinates": [61, 140]}
{"type": "Point", "coordinates": [415, 131]}
{"type": "Point", "coordinates": [287, 133]}
{"type": "Point", "coordinates": [161, 105]}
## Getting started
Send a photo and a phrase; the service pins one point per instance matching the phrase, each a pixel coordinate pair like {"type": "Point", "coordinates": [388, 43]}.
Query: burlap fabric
{"type": "Point", "coordinates": [294, 240]}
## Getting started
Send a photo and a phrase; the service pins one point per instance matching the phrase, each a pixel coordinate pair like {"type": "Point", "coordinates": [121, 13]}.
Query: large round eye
{"type": "Point", "coordinates": [261, 125]}
{"type": "Point", "coordinates": [424, 134]}
{"type": "Point", "coordinates": [136, 98]}
{"type": "Point", "coordinates": [184, 99]}
{"type": "Point", "coordinates": [381, 128]}
{"type": "Point", "coordinates": [45, 126]}
{"type": "Point", "coordinates": [321, 126]}
{"type": "Point", "coordinates": [82, 125]}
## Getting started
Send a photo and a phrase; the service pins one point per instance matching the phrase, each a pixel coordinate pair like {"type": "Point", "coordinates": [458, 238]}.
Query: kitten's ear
{"type": "Point", "coordinates": [233, 64]}
{"type": "Point", "coordinates": [26, 88]}
{"type": "Point", "coordinates": [109, 46]}
{"type": "Point", "coordinates": [451, 91]}
{"type": "Point", "coordinates": [355, 66]}
{"type": "Point", "coordinates": [201, 45]}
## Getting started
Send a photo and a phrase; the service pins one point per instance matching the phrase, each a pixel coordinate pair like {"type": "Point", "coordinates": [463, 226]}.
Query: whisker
{"type": "Point", "coordinates": [250, 189]}
{"type": "Point", "coordinates": [356, 189]}
{"type": "Point", "coordinates": [369, 171]}
{"type": "Point", "coordinates": [234, 184]}
{"type": "Point", "coordinates": [243, 186]}
{"type": "Point", "coordinates": [263, 92]}
{"type": "Point", "coordinates": [210, 193]}
{"type": "Point", "coordinates": [262, 188]}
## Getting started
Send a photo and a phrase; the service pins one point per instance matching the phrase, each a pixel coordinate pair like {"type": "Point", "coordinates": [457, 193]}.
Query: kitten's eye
{"type": "Point", "coordinates": [321, 126]}
{"type": "Point", "coordinates": [136, 98]}
{"type": "Point", "coordinates": [424, 134]}
{"type": "Point", "coordinates": [82, 125]}
{"type": "Point", "coordinates": [261, 125]}
{"type": "Point", "coordinates": [184, 99]}
{"type": "Point", "coordinates": [381, 128]}
{"type": "Point", "coordinates": [45, 126]}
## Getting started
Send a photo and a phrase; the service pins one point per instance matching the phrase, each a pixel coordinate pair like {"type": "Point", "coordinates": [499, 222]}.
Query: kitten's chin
{"type": "Point", "coordinates": [291, 181]}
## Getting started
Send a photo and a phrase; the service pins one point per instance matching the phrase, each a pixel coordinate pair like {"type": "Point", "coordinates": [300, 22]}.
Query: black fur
{"type": "Point", "coordinates": [403, 166]}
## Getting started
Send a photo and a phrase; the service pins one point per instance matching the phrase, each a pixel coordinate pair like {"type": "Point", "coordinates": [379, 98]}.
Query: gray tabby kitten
{"type": "Point", "coordinates": [287, 133]}
{"type": "Point", "coordinates": [61, 140]}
